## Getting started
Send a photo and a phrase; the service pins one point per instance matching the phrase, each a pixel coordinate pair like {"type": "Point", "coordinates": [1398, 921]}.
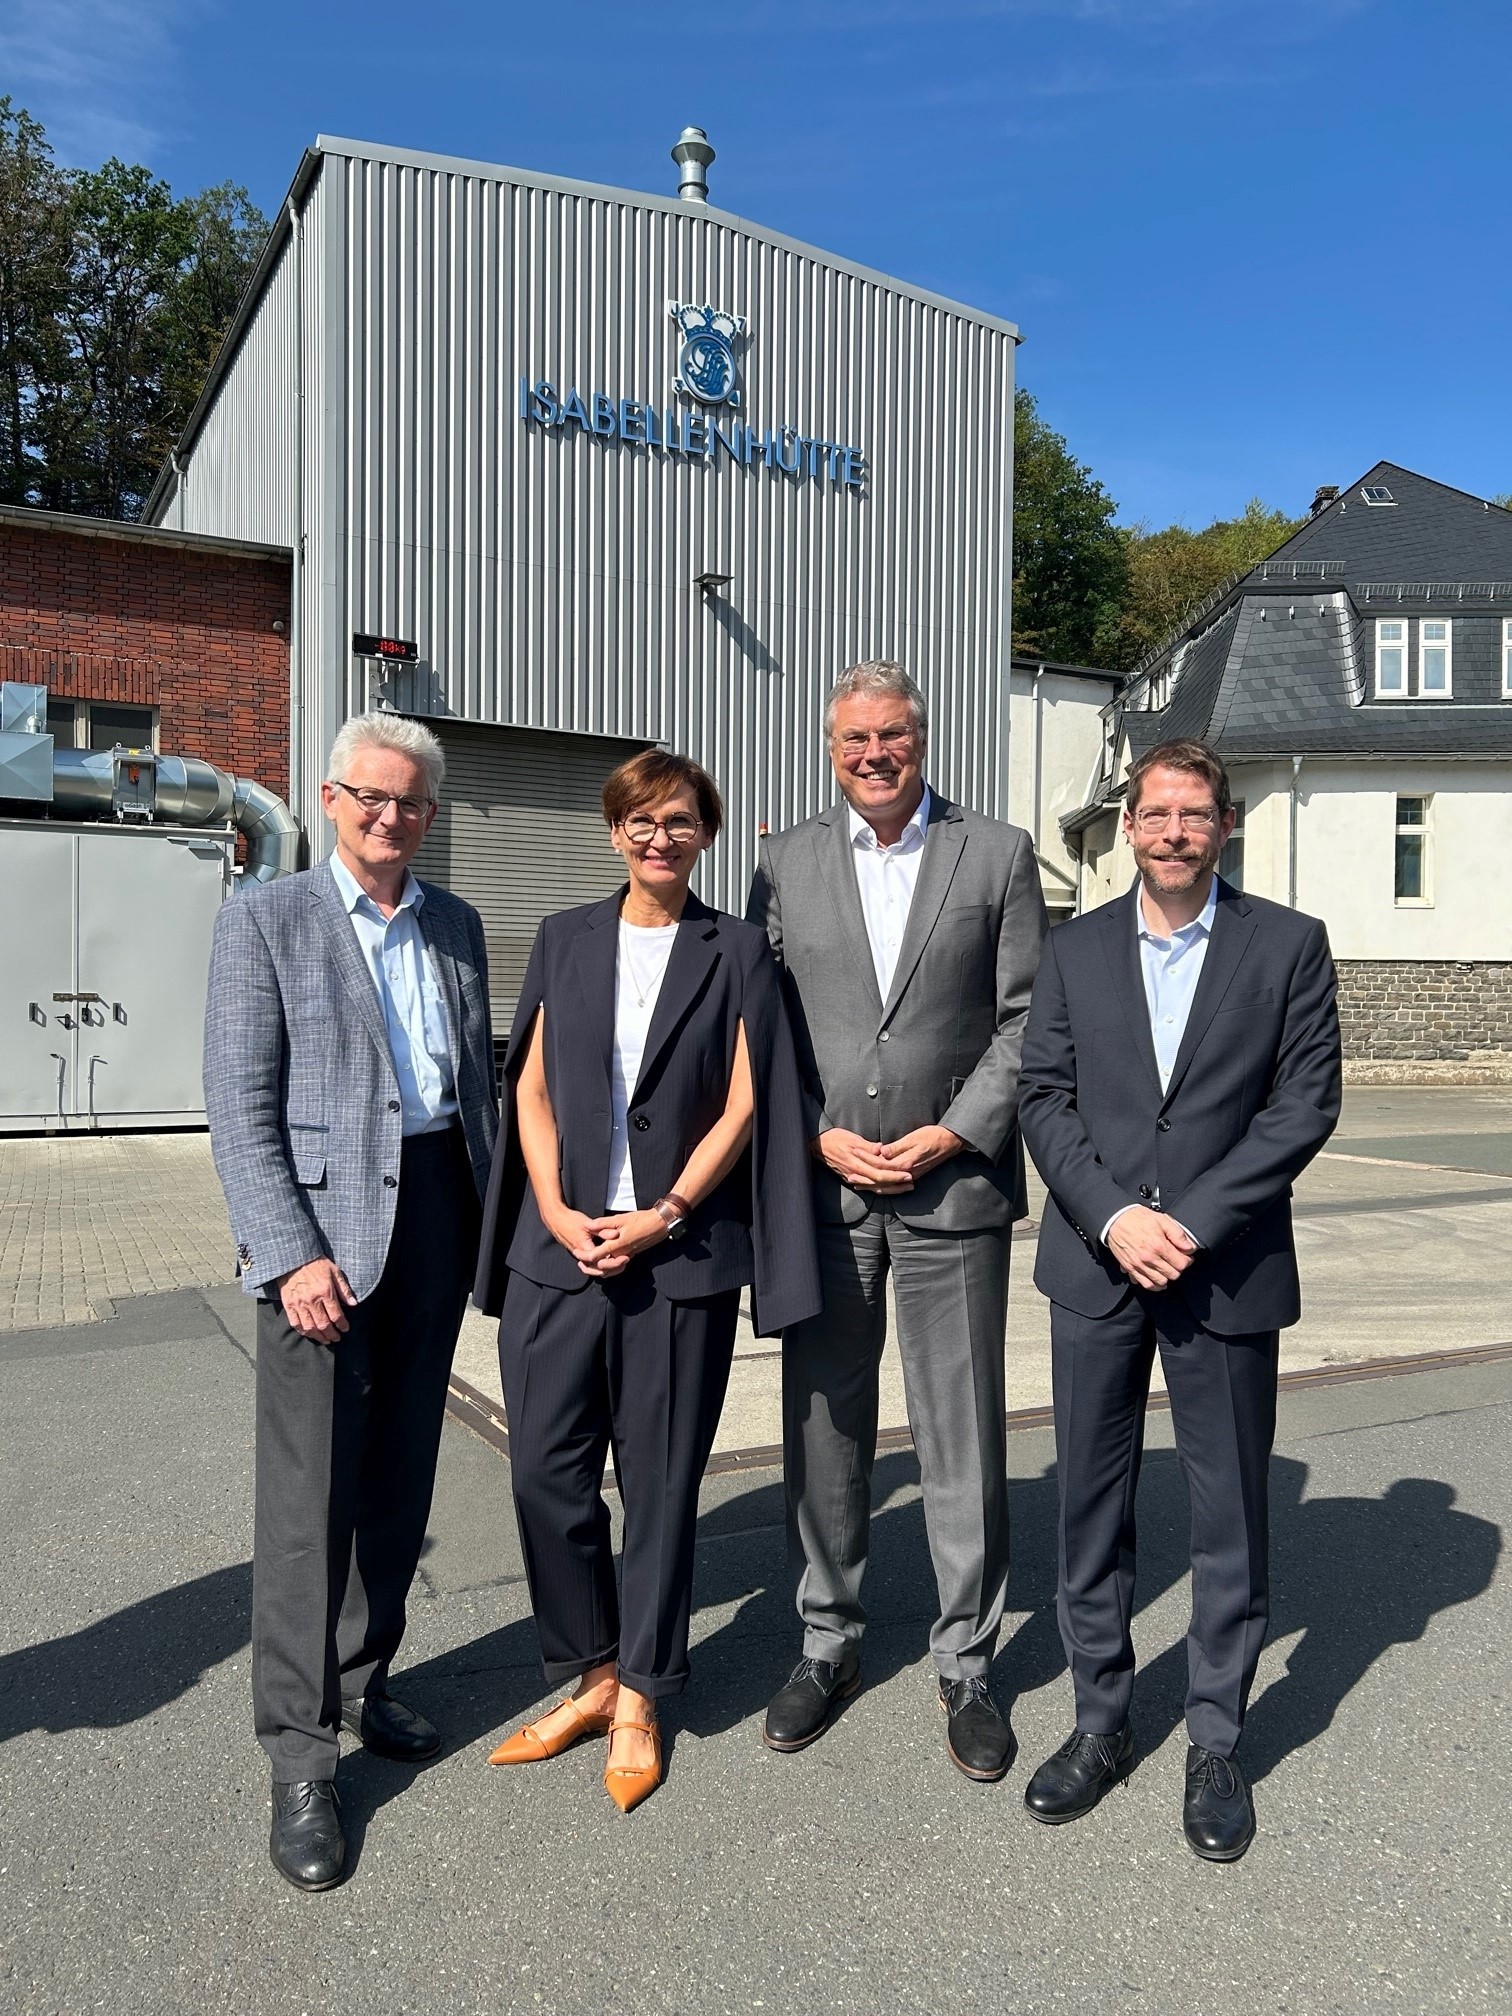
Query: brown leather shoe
{"type": "Point", "coordinates": [628, 1786]}
{"type": "Point", "coordinates": [530, 1746]}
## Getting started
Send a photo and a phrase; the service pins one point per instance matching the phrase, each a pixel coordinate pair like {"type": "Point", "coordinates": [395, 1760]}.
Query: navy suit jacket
{"type": "Point", "coordinates": [1254, 1094]}
{"type": "Point", "coordinates": [756, 1227]}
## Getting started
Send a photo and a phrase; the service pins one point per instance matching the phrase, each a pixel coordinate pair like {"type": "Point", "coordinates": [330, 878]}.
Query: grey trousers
{"type": "Point", "coordinates": [347, 1439]}
{"type": "Point", "coordinates": [951, 1295]}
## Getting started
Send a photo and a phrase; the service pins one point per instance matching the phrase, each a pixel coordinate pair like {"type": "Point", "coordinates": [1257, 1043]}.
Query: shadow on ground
{"type": "Point", "coordinates": [1353, 1576]}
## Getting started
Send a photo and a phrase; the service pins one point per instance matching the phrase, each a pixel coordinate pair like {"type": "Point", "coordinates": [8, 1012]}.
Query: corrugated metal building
{"type": "Point", "coordinates": [624, 468]}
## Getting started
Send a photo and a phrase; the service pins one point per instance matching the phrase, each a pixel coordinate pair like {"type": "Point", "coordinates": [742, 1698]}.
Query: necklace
{"type": "Point", "coordinates": [627, 964]}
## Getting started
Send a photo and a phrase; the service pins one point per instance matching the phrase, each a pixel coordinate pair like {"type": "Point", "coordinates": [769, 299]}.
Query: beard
{"type": "Point", "coordinates": [1174, 874]}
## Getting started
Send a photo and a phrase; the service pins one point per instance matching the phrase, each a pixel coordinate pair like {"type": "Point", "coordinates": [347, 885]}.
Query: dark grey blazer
{"type": "Point", "coordinates": [300, 1089]}
{"type": "Point", "coordinates": [753, 1228]}
{"type": "Point", "coordinates": [1254, 1095]}
{"type": "Point", "coordinates": [943, 1049]}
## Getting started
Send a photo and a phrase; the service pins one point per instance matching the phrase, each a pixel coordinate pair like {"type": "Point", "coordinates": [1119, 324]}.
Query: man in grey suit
{"type": "Point", "coordinates": [909, 931]}
{"type": "Point", "coordinates": [349, 1081]}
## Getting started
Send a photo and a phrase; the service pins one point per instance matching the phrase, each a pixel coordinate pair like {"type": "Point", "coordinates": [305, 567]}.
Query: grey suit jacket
{"type": "Point", "coordinates": [300, 1089]}
{"type": "Point", "coordinates": [943, 1049]}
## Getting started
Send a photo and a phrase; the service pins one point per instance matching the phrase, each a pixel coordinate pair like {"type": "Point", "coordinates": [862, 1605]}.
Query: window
{"type": "Point", "coordinates": [1231, 860]}
{"type": "Point", "coordinates": [1377, 493]}
{"type": "Point", "coordinates": [1507, 659]}
{"type": "Point", "coordinates": [1391, 659]}
{"type": "Point", "coordinates": [62, 722]}
{"type": "Point", "coordinates": [1435, 653]}
{"type": "Point", "coordinates": [131, 726]}
{"type": "Point", "coordinates": [1412, 865]}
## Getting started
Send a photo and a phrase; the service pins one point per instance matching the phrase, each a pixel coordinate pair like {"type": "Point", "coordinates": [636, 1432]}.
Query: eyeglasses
{"type": "Point", "coordinates": [1150, 819]}
{"type": "Point", "coordinates": [640, 829]}
{"type": "Point", "coordinates": [375, 803]}
{"type": "Point", "coordinates": [854, 743]}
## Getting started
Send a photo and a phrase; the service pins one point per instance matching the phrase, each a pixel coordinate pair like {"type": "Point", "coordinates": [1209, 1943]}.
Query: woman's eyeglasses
{"type": "Point", "coordinates": [640, 829]}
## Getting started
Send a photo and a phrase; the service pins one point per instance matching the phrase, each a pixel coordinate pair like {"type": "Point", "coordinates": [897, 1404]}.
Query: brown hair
{"type": "Point", "coordinates": [1194, 757]}
{"type": "Point", "coordinates": [654, 774]}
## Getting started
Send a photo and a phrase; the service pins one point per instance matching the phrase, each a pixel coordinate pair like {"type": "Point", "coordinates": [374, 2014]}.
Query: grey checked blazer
{"type": "Point", "coordinates": [300, 1089]}
{"type": "Point", "coordinates": [943, 1049]}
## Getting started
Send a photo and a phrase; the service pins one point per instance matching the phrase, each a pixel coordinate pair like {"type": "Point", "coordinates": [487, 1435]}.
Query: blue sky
{"type": "Point", "coordinates": [1251, 248]}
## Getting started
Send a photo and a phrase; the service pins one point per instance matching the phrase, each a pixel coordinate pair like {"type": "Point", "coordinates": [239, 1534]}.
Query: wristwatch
{"type": "Point", "coordinates": [674, 1212]}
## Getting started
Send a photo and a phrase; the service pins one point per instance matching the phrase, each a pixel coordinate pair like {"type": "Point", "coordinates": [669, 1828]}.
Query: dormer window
{"type": "Point", "coordinates": [1435, 664]}
{"type": "Point", "coordinates": [1391, 658]}
{"type": "Point", "coordinates": [1376, 493]}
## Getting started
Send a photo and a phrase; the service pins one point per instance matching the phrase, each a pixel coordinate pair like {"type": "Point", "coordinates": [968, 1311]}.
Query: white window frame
{"type": "Point", "coordinates": [1507, 658]}
{"type": "Point", "coordinates": [1423, 831]}
{"type": "Point", "coordinates": [1446, 691]}
{"type": "Point", "coordinates": [1392, 644]}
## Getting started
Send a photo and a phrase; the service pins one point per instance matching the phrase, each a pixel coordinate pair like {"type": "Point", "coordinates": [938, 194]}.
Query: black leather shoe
{"type": "Point", "coordinates": [306, 1843]}
{"type": "Point", "coordinates": [978, 1739]}
{"type": "Point", "coordinates": [1071, 1782]}
{"type": "Point", "coordinates": [800, 1712]}
{"type": "Point", "coordinates": [389, 1729]}
{"type": "Point", "coordinates": [1217, 1815]}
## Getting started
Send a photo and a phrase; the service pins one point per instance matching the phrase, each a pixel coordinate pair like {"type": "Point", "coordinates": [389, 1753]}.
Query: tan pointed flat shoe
{"type": "Point", "coordinates": [627, 1786]}
{"type": "Point", "coordinates": [530, 1746]}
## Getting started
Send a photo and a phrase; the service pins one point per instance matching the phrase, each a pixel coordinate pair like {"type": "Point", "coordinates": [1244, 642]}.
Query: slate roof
{"type": "Point", "coordinates": [1285, 665]}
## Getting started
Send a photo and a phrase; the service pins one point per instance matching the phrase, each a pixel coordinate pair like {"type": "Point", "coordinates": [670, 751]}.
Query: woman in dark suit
{"type": "Point", "coordinates": [652, 1163]}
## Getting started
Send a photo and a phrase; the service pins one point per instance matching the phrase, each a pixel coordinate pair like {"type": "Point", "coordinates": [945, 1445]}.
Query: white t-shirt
{"type": "Point", "coordinates": [644, 950]}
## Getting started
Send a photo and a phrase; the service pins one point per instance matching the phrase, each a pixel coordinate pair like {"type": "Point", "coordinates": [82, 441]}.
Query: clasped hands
{"type": "Point", "coordinates": [604, 1247]}
{"type": "Point", "coordinates": [1152, 1249]}
{"type": "Point", "coordinates": [886, 1166]}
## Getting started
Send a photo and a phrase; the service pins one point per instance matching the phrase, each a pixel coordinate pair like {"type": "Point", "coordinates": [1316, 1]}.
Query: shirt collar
{"type": "Point", "coordinates": [1200, 926]}
{"type": "Point", "coordinates": [354, 896]}
{"type": "Point", "coordinates": [863, 835]}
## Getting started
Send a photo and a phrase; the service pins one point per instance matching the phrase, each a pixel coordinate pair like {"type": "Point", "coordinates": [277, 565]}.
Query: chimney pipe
{"type": "Point", "coordinates": [693, 155]}
{"type": "Point", "coordinates": [1325, 495]}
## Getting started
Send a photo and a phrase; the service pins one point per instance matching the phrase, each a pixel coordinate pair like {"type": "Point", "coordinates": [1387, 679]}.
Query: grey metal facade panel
{"type": "Point", "coordinates": [548, 578]}
{"type": "Point", "coordinates": [239, 482]}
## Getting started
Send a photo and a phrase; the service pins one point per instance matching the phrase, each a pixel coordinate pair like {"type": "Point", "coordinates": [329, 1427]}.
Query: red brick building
{"type": "Point", "coordinates": [172, 640]}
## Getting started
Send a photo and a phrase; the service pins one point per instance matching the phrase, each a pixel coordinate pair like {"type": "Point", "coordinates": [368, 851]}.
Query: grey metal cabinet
{"type": "Point", "coordinates": [105, 950]}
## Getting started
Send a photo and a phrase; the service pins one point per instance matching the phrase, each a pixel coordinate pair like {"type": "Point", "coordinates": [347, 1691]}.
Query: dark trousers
{"type": "Point", "coordinates": [1223, 1409]}
{"type": "Point", "coordinates": [614, 1367]}
{"type": "Point", "coordinates": [347, 1439]}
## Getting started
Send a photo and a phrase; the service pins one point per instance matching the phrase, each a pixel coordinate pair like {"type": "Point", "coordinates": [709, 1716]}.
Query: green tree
{"type": "Point", "coordinates": [33, 263]}
{"type": "Point", "coordinates": [1069, 558]}
{"type": "Point", "coordinates": [1169, 572]}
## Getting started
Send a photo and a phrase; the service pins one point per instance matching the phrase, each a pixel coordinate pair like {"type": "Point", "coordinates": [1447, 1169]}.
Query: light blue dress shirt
{"type": "Point", "coordinates": [1171, 967]}
{"type": "Point", "coordinates": [409, 988]}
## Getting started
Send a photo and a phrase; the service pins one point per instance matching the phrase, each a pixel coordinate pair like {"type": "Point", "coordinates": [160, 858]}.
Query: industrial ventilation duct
{"type": "Point", "coordinates": [126, 784]}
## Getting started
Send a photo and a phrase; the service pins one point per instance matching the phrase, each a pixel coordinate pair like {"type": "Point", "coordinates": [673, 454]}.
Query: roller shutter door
{"type": "Point", "coordinates": [520, 833]}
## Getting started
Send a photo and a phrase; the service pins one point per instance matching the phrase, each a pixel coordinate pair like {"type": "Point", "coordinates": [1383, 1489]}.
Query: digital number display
{"type": "Point", "coordinates": [400, 648]}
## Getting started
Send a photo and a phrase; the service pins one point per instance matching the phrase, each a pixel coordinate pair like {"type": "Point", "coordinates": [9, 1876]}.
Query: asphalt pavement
{"type": "Point", "coordinates": [864, 1875]}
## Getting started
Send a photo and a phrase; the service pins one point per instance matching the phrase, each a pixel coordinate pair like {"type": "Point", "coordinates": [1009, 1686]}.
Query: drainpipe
{"type": "Point", "coordinates": [1039, 761]}
{"type": "Point", "coordinates": [1291, 850]}
{"type": "Point", "coordinates": [296, 575]}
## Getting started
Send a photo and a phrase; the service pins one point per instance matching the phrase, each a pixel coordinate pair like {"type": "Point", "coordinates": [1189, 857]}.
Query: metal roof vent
{"type": "Point", "coordinates": [693, 155]}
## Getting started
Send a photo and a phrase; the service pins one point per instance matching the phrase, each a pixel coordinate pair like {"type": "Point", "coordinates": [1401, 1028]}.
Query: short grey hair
{"type": "Point", "coordinates": [877, 675]}
{"type": "Point", "coordinates": [388, 731]}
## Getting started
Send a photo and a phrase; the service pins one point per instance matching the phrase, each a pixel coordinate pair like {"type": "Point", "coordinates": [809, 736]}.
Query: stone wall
{"type": "Point", "coordinates": [1425, 1010]}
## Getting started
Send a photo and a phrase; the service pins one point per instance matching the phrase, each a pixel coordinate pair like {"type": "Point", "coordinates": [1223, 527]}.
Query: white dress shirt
{"type": "Point", "coordinates": [639, 971]}
{"type": "Point", "coordinates": [887, 878]}
{"type": "Point", "coordinates": [409, 991]}
{"type": "Point", "coordinates": [1171, 967]}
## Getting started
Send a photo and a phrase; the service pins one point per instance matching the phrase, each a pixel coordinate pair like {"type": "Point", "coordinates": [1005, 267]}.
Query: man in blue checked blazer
{"type": "Point", "coordinates": [349, 1082]}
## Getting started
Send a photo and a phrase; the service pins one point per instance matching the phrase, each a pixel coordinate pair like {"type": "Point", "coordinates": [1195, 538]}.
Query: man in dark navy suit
{"type": "Point", "coordinates": [1180, 1069]}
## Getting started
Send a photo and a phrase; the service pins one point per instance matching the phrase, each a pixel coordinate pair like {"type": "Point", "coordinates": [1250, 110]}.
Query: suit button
{"type": "Point", "coordinates": [393, 1105]}
{"type": "Point", "coordinates": [391, 1182]}
{"type": "Point", "coordinates": [1145, 1190]}
{"type": "Point", "coordinates": [871, 1091]}
{"type": "Point", "coordinates": [886, 1033]}
{"type": "Point", "coordinates": [1162, 1126]}
{"type": "Point", "coordinates": [641, 1123]}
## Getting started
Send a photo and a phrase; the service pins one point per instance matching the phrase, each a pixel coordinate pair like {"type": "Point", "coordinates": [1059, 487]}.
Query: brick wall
{"type": "Point", "coordinates": [1424, 1010]}
{"type": "Point", "coordinates": [93, 615]}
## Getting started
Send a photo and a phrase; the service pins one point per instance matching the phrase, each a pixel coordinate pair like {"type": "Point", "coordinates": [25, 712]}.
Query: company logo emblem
{"type": "Point", "coordinates": [707, 367]}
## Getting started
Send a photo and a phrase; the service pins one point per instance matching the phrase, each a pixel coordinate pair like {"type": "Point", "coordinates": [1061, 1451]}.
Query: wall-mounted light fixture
{"type": "Point", "coordinates": [709, 583]}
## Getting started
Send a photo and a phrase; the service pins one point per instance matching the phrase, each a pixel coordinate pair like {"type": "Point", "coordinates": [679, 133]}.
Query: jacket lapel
{"type": "Point", "coordinates": [347, 955]}
{"type": "Point", "coordinates": [596, 952]}
{"type": "Point", "coordinates": [944, 837]}
{"type": "Point", "coordinates": [1233, 928]}
{"type": "Point", "coordinates": [1121, 949]}
{"type": "Point", "coordinates": [832, 847]}
{"type": "Point", "coordinates": [694, 950]}
{"type": "Point", "coordinates": [441, 942]}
